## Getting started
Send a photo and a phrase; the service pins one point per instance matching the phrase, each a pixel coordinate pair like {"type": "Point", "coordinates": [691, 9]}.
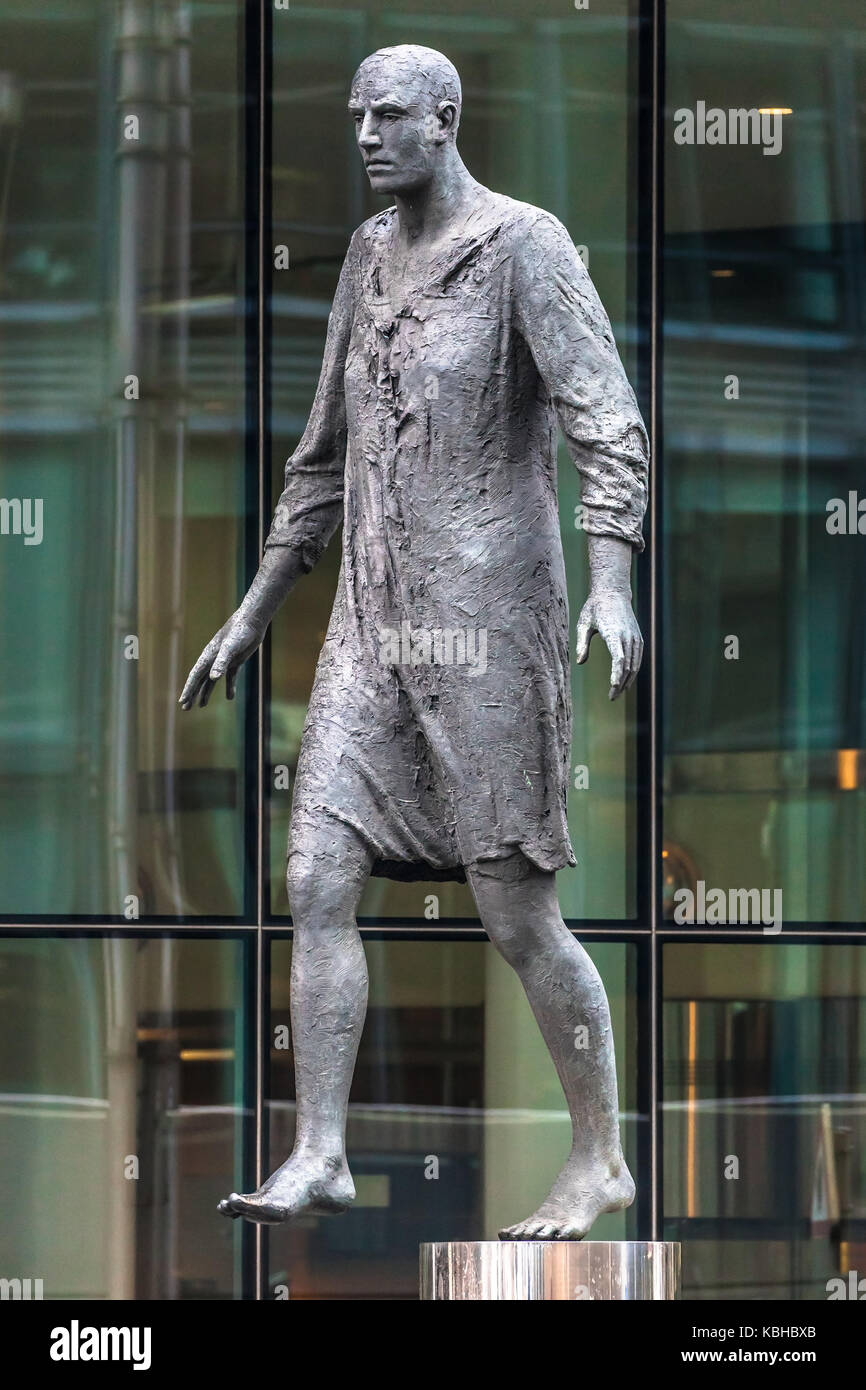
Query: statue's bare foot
{"type": "Point", "coordinates": [580, 1194]}
{"type": "Point", "coordinates": [305, 1184]}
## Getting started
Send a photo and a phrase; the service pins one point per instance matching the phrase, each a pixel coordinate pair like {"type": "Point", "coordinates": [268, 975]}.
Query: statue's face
{"type": "Point", "coordinates": [398, 126]}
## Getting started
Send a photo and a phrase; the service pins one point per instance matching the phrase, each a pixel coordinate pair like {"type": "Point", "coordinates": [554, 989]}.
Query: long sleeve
{"type": "Point", "coordinates": [561, 318]}
{"type": "Point", "coordinates": [311, 505]}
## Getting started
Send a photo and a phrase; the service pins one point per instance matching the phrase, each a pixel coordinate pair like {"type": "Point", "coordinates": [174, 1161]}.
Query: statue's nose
{"type": "Point", "coordinates": [368, 137]}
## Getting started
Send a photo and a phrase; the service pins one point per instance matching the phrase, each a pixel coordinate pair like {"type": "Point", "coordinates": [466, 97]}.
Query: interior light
{"type": "Point", "coordinates": [207, 1054]}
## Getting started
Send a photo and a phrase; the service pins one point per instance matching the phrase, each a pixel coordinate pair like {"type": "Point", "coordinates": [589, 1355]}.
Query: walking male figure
{"type": "Point", "coordinates": [463, 326]}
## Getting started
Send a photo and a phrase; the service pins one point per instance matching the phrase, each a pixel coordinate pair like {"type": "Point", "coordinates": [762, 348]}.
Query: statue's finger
{"type": "Point", "coordinates": [231, 677]}
{"type": "Point", "coordinates": [633, 663]}
{"type": "Point", "coordinates": [193, 681]}
{"type": "Point", "coordinates": [221, 662]}
{"type": "Point", "coordinates": [206, 689]}
{"type": "Point", "coordinates": [617, 669]}
{"type": "Point", "coordinates": [585, 630]}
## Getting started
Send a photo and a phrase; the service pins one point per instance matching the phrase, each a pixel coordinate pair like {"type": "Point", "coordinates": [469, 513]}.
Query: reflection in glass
{"type": "Point", "coordinates": [549, 117]}
{"type": "Point", "coordinates": [121, 1115]}
{"type": "Point", "coordinates": [764, 425]}
{"type": "Point", "coordinates": [122, 418]}
{"type": "Point", "coordinates": [457, 1124]}
{"type": "Point", "coordinates": [764, 1117]}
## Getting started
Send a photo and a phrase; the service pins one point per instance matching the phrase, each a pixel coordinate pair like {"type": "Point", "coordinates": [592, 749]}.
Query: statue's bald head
{"type": "Point", "coordinates": [405, 103]}
{"type": "Point", "coordinates": [416, 73]}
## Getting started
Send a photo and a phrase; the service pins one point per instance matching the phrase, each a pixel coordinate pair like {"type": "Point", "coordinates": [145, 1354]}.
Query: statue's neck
{"type": "Point", "coordinates": [427, 212]}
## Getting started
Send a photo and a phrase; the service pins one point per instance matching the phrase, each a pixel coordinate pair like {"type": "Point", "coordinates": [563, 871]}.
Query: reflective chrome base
{"type": "Point", "coordinates": [560, 1269]}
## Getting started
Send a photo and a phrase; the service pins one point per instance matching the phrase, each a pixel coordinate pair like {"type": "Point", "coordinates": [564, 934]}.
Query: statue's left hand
{"type": "Point", "coordinates": [609, 612]}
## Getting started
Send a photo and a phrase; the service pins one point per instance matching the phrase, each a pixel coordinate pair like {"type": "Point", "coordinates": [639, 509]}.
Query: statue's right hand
{"type": "Point", "coordinates": [224, 655]}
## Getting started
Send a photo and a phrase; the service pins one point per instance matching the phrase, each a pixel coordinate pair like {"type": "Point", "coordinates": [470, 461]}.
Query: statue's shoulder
{"type": "Point", "coordinates": [498, 210]}
{"type": "Point", "coordinates": [371, 233]}
{"type": "Point", "coordinates": [521, 219]}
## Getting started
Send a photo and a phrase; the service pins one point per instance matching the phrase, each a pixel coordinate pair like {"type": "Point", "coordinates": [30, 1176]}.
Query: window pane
{"type": "Point", "coordinates": [122, 1111]}
{"type": "Point", "coordinates": [452, 1078]}
{"type": "Point", "coordinates": [765, 424]}
{"type": "Point", "coordinates": [765, 1117]}
{"type": "Point", "coordinates": [124, 435]}
{"type": "Point", "coordinates": [549, 116]}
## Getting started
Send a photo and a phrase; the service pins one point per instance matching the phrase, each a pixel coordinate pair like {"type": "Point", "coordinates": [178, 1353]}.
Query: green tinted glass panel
{"type": "Point", "coordinates": [764, 430]}
{"type": "Point", "coordinates": [122, 418]}
{"type": "Point", "coordinates": [764, 1120]}
{"type": "Point", "coordinates": [457, 1124]}
{"type": "Point", "coordinates": [549, 116]}
{"type": "Point", "coordinates": [121, 1115]}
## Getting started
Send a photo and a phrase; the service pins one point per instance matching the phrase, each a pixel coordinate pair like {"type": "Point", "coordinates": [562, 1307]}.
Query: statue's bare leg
{"type": "Point", "coordinates": [518, 907]}
{"type": "Point", "coordinates": [326, 877]}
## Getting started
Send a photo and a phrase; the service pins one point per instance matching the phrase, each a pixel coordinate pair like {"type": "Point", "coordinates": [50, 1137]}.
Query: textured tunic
{"type": "Point", "coordinates": [439, 725]}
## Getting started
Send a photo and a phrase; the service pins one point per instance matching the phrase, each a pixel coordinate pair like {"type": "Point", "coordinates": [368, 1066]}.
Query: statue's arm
{"type": "Point", "coordinates": [307, 514]}
{"type": "Point", "coordinates": [310, 507]}
{"type": "Point", "coordinates": [568, 333]}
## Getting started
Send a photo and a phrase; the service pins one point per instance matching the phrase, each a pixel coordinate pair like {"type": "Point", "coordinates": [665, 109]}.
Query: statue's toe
{"type": "Point", "coordinates": [571, 1232]}
{"type": "Point", "coordinates": [524, 1230]}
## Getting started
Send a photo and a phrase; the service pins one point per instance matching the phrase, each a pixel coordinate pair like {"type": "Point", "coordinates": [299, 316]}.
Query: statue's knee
{"type": "Point", "coordinates": [510, 941]}
{"type": "Point", "coordinates": [303, 884]}
{"type": "Point", "coordinates": [320, 891]}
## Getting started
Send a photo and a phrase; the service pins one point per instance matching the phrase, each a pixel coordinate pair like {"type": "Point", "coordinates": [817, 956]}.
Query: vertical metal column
{"type": "Point", "coordinates": [655, 540]}
{"type": "Point", "coordinates": [261, 27]}
{"type": "Point", "coordinates": [143, 53]}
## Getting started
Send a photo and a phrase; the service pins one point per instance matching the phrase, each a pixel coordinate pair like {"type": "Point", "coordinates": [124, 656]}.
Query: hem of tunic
{"type": "Point", "coordinates": [420, 870]}
{"type": "Point", "coordinates": [412, 871]}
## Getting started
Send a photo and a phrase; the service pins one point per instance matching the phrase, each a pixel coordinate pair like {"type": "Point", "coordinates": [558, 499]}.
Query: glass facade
{"type": "Point", "coordinates": [764, 427]}
{"type": "Point", "coordinates": [125, 1111]}
{"type": "Point", "coordinates": [126, 440]}
{"type": "Point", "coordinates": [457, 1119]}
{"type": "Point", "coordinates": [178, 184]}
{"type": "Point", "coordinates": [574, 75]}
{"type": "Point", "coordinates": [764, 1077]}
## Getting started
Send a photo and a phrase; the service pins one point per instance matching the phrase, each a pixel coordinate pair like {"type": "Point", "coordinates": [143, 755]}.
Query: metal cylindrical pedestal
{"type": "Point", "coordinates": [554, 1269]}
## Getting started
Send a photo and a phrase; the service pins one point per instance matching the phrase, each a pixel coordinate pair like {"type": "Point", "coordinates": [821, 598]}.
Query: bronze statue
{"type": "Point", "coordinates": [437, 741]}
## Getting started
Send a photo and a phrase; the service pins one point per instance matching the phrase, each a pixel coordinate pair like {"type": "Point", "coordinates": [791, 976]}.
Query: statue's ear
{"type": "Point", "coordinates": [447, 117]}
